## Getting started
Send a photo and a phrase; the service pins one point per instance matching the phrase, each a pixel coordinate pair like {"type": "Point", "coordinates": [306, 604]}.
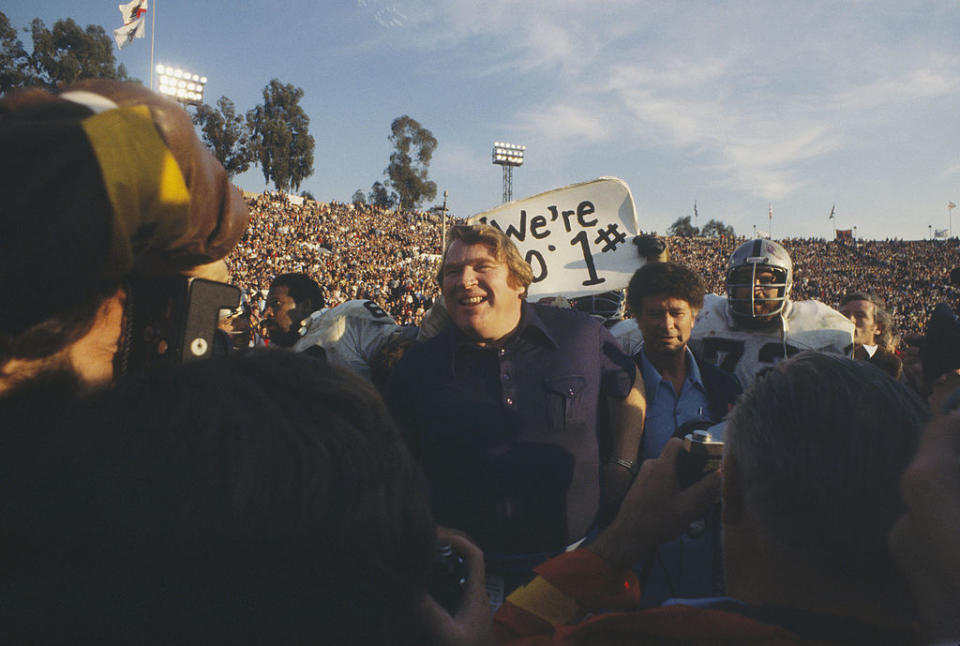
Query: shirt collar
{"type": "Point", "coordinates": [531, 328]}
{"type": "Point", "coordinates": [652, 377]}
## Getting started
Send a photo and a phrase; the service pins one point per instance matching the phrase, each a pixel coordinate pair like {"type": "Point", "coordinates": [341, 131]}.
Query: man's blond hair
{"type": "Point", "coordinates": [521, 275]}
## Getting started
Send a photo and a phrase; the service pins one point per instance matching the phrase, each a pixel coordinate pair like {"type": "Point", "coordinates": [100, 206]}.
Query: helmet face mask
{"type": "Point", "coordinates": [607, 307]}
{"type": "Point", "coordinates": [759, 277]}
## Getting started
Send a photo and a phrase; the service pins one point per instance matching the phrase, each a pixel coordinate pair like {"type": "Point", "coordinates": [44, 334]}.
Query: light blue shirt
{"type": "Point", "coordinates": [666, 410]}
{"type": "Point", "coordinates": [685, 566]}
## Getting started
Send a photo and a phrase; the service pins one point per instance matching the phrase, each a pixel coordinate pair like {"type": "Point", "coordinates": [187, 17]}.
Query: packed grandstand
{"type": "Point", "coordinates": [356, 251]}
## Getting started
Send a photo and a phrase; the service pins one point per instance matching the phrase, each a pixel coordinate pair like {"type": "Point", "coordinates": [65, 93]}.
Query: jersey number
{"type": "Point", "coordinates": [732, 350]}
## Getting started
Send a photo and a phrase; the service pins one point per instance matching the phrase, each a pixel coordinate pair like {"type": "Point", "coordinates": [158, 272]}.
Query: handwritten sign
{"type": "Point", "coordinates": [576, 238]}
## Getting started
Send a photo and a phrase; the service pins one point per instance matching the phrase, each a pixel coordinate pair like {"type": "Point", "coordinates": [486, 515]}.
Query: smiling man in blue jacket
{"type": "Point", "coordinates": [513, 409]}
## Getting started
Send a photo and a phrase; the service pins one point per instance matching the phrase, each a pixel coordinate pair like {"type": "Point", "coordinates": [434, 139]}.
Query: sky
{"type": "Point", "coordinates": [738, 106]}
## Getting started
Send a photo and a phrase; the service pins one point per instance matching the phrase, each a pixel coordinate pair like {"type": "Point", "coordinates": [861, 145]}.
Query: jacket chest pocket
{"type": "Point", "coordinates": [565, 401]}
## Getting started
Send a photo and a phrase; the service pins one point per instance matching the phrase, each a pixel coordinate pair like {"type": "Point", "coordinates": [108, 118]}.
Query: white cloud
{"type": "Point", "coordinates": [458, 160]}
{"type": "Point", "coordinates": [748, 96]}
{"type": "Point", "coordinates": [950, 171]}
{"type": "Point", "coordinates": [774, 149]}
{"type": "Point", "coordinates": [565, 123]}
{"type": "Point", "coordinates": [677, 74]}
{"type": "Point", "coordinates": [921, 83]}
{"type": "Point", "coordinates": [384, 13]}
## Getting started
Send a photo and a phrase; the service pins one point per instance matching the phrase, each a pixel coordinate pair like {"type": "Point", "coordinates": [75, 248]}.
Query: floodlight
{"type": "Point", "coordinates": [181, 85]}
{"type": "Point", "coordinates": [508, 156]}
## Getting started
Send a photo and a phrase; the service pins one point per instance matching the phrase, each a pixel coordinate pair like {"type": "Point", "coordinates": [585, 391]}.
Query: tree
{"type": "Point", "coordinates": [358, 197]}
{"type": "Point", "coordinates": [414, 146]}
{"type": "Point", "coordinates": [683, 228]}
{"type": "Point", "coordinates": [14, 62]}
{"type": "Point", "coordinates": [225, 133]}
{"type": "Point", "coordinates": [68, 53]}
{"type": "Point", "coordinates": [715, 229]}
{"type": "Point", "coordinates": [280, 138]}
{"type": "Point", "coordinates": [380, 196]}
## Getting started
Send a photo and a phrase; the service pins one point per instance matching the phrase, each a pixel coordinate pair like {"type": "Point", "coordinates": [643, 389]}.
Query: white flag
{"type": "Point", "coordinates": [125, 35]}
{"type": "Point", "coordinates": [133, 10]}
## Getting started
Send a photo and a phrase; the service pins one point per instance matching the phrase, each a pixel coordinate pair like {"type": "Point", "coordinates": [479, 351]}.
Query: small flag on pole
{"type": "Point", "coordinates": [951, 205]}
{"type": "Point", "coordinates": [125, 35]}
{"type": "Point", "coordinates": [695, 214]}
{"type": "Point", "coordinates": [134, 23]}
{"type": "Point", "coordinates": [832, 209]}
{"type": "Point", "coordinates": [133, 10]}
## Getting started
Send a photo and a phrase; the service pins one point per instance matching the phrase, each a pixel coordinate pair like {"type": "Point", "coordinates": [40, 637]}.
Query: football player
{"type": "Point", "coordinates": [757, 324]}
{"type": "Point", "coordinates": [351, 334]}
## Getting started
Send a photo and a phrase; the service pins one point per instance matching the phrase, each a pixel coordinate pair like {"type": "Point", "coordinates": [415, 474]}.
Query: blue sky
{"type": "Point", "coordinates": [735, 105]}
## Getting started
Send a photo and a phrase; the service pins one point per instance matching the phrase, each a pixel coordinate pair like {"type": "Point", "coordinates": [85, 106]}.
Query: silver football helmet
{"type": "Point", "coordinates": [607, 307]}
{"type": "Point", "coordinates": [759, 277]}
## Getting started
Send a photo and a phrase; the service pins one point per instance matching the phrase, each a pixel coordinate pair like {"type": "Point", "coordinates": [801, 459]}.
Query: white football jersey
{"type": "Point", "coordinates": [627, 333]}
{"type": "Point", "coordinates": [351, 334]}
{"type": "Point", "coordinates": [805, 325]}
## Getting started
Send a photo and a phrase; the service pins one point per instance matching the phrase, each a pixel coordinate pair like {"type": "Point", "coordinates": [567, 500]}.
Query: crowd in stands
{"type": "Point", "coordinates": [910, 276]}
{"type": "Point", "coordinates": [356, 251]}
{"type": "Point", "coordinates": [352, 251]}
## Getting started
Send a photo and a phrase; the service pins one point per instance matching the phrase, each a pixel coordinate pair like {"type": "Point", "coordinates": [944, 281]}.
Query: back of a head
{"type": "Point", "coordinates": [99, 180]}
{"type": "Point", "coordinates": [819, 443]}
{"type": "Point", "coordinates": [651, 248]}
{"type": "Point", "coordinates": [262, 499]}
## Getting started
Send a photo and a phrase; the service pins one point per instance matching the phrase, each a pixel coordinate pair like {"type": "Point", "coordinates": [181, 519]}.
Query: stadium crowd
{"type": "Point", "coordinates": [910, 276]}
{"type": "Point", "coordinates": [356, 251]}
{"type": "Point", "coordinates": [352, 251]}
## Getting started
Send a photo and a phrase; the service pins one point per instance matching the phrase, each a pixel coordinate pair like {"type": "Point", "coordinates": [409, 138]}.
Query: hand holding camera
{"type": "Point", "coordinates": [655, 510]}
{"type": "Point", "coordinates": [469, 623]}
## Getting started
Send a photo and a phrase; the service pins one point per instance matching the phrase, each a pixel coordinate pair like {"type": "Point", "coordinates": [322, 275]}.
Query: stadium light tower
{"type": "Point", "coordinates": [508, 156]}
{"type": "Point", "coordinates": [180, 85]}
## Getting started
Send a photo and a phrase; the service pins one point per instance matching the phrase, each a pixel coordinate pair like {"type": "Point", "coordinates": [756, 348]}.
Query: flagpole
{"type": "Point", "coordinates": [153, 34]}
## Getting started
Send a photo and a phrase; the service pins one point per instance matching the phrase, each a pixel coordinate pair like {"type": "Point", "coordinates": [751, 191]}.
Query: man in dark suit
{"type": "Point", "coordinates": [873, 337]}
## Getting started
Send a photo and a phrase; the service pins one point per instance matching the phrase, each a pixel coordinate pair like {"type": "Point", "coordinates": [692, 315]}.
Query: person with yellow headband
{"type": "Point", "coordinates": [101, 181]}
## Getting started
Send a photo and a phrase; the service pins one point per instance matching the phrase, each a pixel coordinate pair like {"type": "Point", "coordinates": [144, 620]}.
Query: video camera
{"type": "Point", "coordinates": [170, 320]}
